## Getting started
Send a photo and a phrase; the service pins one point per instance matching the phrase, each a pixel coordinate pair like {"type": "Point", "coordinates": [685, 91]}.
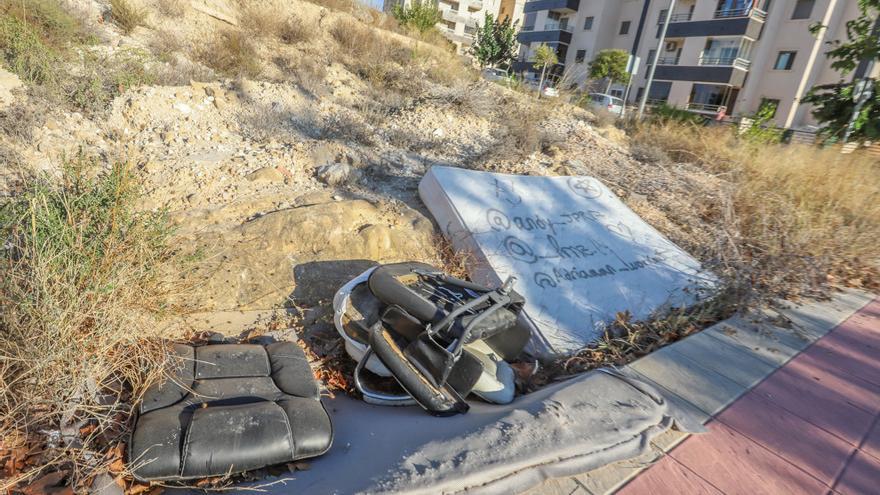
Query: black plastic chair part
{"type": "Point", "coordinates": [230, 408]}
{"type": "Point", "coordinates": [429, 296]}
{"type": "Point", "coordinates": [438, 400]}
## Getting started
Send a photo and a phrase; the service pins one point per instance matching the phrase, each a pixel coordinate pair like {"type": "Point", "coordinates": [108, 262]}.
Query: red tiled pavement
{"type": "Point", "coordinates": [813, 426]}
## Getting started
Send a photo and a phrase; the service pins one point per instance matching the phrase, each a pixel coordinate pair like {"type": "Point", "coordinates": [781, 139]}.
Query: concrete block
{"type": "Point", "coordinates": [724, 358]}
{"type": "Point", "coordinates": [769, 343]}
{"type": "Point", "coordinates": [707, 390]}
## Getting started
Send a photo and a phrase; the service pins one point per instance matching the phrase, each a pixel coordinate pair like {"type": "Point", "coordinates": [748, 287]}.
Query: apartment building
{"type": "Point", "coordinates": [736, 54]}
{"type": "Point", "coordinates": [459, 19]}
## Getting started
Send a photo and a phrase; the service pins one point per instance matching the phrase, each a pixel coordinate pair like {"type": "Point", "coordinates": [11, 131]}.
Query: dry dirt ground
{"type": "Point", "coordinates": [287, 185]}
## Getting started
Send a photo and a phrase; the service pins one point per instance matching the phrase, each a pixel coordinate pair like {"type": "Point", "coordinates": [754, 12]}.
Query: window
{"type": "Point", "coordinates": [579, 56]}
{"type": "Point", "coordinates": [588, 23]}
{"type": "Point", "coordinates": [784, 61]}
{"type": "Point", "coordinates": [768, 105]}
{"type": "Point", "coordinates": [803, 9]}
{"type": "Point", "coordinates": [624, 27]}
{"type": "Point", "coordinates": [650, 61]}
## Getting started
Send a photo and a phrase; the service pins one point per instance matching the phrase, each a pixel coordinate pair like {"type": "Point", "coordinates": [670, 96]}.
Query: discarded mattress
{"type": "Point", "coordinates": [562, 430]}
{"type": "Point", "coordinates": [579, 254]}
{"type": "Point", "coordinates": [441, 338]}
{"type": "Point", "coordinates": [230, 408]}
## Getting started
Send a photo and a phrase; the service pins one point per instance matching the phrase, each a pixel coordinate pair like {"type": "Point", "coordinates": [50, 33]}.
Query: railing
{"type": "Point", "coordinates": [744, 12]}
{"type": "Point", "coordinates": [685, 17]}
{"type": "Point", "coordinates": [737, 62]}
{"type": "Point", "coordinates": [528, 28]}
{"type": "Point", "coordinates": [667, 61]}
{"type": "Point", "coordinates": [555, 26]}
{"type": "Point", "coordinates": [703, 107]}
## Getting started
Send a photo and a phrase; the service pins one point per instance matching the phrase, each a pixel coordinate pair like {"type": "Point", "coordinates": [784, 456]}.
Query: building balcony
{"type": "Point", "coordinates": [738, 62]}
{"type": "Point", "coordinates": [475, 5]}
{"type": "Point", "coordinates": [736, 22]}
{"type": "Point", "coordinates": [703, 108]}
{"type": "Point", "coordinates": [561, 6]}
{"type": "Point", "coordinates": [666, 61]}
{"type": "Point", "coordinates": [458, 18]}
{"type": "Point", "coordinates": [548, 34]}
{"type": "Point", "coordinates": [451, 35]}
{"type": "Point", "coordinates": [727, 75]}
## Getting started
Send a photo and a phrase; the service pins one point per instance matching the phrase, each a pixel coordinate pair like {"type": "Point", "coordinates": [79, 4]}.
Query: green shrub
{"type": "Point", "coordinates": [420, 15]}
{"type": "Point", "coordinates": [25, 53]}
{"type": "Point", "coordinates": [49, 21]}
{"type": "Point", "coordinates": [668, 113]}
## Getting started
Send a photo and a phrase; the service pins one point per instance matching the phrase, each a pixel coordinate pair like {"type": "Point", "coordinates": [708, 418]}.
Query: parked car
{"type": "Point", "coordinates": [492, 74]}
{"type": "Point", "coordinates": [547, 90]}
{"type": "Point", "coordinates": [610, 103]}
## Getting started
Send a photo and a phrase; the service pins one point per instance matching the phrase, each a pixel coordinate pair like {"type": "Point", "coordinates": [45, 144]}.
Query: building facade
{"type": "Point", "coordinates": [730, 55]}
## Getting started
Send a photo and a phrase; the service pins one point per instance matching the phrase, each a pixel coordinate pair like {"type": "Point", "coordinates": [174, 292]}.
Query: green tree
{"type": "Point", "coordinates": [494, 42]}
{"type": "Point", "coordinates": [610, 65]}
{"type": "Point", "coordinates": [419, 15]}
{"type": "Point", "coordinates": [545, 56]}
{"type": "Point", "coordinates": [851, 109]}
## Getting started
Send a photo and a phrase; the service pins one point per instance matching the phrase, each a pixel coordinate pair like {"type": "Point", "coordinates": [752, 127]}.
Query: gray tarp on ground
{"type": "Point", "coordinates": [568, 428]}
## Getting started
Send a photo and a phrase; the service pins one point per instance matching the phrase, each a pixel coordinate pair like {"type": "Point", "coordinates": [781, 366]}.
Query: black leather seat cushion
{"type": "Point", "coordinates": [230, 408]}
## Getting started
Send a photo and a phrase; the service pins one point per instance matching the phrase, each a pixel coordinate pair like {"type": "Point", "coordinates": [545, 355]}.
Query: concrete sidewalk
{"type": "Point", "coordinates": [810, 427]}
{"type": "Point", "coordinates": [791, 408]}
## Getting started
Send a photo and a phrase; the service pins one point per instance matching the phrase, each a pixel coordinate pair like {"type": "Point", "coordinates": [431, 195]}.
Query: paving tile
{"type": "Point", "coordinates": [812, 449]}
{"type": "Point", "coordinates": [871, 443]}
{"type": "Point", "coordinates": [668, 477]}
{"type": "Point", "coordinates": [817, 318]}
{"type": "Point", "coordinates": [705, 389]}
{"type": "Point", "coordinates": [676, 402]}
{"type": "Point", "coordinates": [830, 373]}
{"type": "Point", "coordinates": [735, 464]}
{"type": "Point", "coordinates": [843, 354]}
{"type": "Point", "coordinates": [558, 486]}
{"type": "Point", "coordinates": [772, 344]}
{"type": "Point", "coordinates": [608, 478]}
{"type": "Point", "coordinates": [819, 405]}
{"type": "Point", "coordinates": [733, 362]}
{"type": "Point", "coordinates": [862, 476]}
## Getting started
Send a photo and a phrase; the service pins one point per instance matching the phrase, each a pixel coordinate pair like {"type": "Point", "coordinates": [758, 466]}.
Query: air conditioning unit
{"type": "Point", "coordinates": [671, 46]}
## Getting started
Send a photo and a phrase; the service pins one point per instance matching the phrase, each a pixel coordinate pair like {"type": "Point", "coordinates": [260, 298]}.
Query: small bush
{"type": "Point", "coordinates": [667, 113]}
{"type": "Point", "coordinates": [231, 53]}
{"type": "Point", "coordinates": [48, 20]}
{"type": "Point", "coordinates": [26, 54]}
{"type": "Point", "coordinates": [418, 15]}
{"type": "Point", "coordinates": [294, 30]}
{"type": "Point", "coordinates": [372, 56]}
{"type": "Point", "coordinates": [100, 79]}
{"type": "Point", "coordinates": [127, 15]}
{"type": "Point", "coordinates": [83, 282]}
{"type": "Point", "coordinates": [340, 5]}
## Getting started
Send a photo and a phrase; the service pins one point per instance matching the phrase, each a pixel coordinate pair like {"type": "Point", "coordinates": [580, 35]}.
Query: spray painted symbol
{"type": "Point", "coordinates": [584, 187]}
{"type": "Point", "coordinates": [519, 250]}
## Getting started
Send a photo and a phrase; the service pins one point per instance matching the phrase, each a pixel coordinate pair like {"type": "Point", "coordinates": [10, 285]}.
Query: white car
{"type": "Point", "coordinates": [547, 90]}
{"type": "Point", "coordinates": [610, 103]}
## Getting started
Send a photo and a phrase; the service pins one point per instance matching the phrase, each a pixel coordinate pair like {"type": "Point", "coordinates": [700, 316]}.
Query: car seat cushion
{"type": "Point", "coordinates": [229, 408]}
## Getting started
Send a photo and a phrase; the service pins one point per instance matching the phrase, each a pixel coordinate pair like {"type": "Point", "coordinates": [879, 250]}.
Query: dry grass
{"type": "Point", "coordinates": [83, 281]}
{"type": "Point", "coordinates": [232, 53]}
{"type": "Point", "coordinates": [295, 30]}
{"type": "Point", "coordinates": [375, 57]}
{"type": "Point", "coordinates": [172, 8]}
{"type": "Point", "coordinates": [127, 15]}
{"type": "Point", "coordinates": [795, 217]}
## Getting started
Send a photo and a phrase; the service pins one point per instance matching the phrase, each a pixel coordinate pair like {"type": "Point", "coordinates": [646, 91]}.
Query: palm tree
{"type": "Point", "coordinates": [545, 56]}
